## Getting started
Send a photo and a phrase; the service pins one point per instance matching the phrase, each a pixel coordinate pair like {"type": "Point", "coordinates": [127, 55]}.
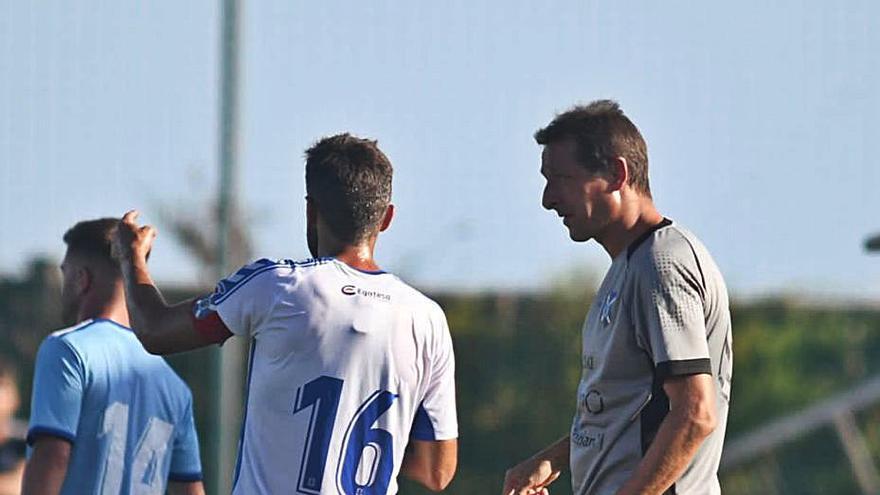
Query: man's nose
{"type": "Point", "coordinates": [547, 199]}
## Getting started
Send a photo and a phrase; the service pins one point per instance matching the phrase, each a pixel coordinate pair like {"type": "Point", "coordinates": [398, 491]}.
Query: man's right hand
{"type": "Point", "coordinates": [130, 241]}
{"type": "Point", "coordinates": [530, 477]}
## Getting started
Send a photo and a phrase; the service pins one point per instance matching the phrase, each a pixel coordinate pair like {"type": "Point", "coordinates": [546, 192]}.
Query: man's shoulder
{"type": "Point", "coordinates": [261, 271]}
{"type": "Point", "coordinates": [75, 339]}
{"type": "Point", "coordinates": [408, 295]}
{"type": "Point", "coordinates": [668, 243]}
{"type": "Point", "coordinates": [94, 331]}
{"type": "Point", "coordinates": [67, 332]}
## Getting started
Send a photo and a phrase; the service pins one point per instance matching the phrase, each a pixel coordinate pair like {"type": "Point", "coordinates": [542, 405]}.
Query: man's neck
{"type": "Point", "coordinates": [111, 308]}
{"type": "Point", "coordinates": [358, 256]}
{"type": "Point", "coordinates": [631, 225]}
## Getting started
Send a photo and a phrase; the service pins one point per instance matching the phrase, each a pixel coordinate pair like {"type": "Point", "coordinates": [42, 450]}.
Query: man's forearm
{"type": "Point", "coordinates": [145, 303]}
{"type": "Point", "coordinates": [672, 450]}
{"type": "Point", "coordinates": [161, 328]}
{"type": "Point", "coordinates": [557, 454]}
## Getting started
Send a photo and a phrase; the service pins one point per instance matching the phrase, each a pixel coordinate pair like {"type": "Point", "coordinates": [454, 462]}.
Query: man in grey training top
{"type": "Point", "coordinates": [657, 351]}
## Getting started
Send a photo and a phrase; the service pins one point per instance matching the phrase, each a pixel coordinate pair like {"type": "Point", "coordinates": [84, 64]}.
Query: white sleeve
{"type": "Point", "coordinates": [245, 299]}
{"type": "Point", "coordinates": [436, 417]}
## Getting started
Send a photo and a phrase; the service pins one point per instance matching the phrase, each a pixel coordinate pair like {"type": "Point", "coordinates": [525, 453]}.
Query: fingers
{"type": "Point", "coordinates": [522, 488]}
{"type": "Point", "coordinates": [532, 491]}
{"type": "Point", "coordinates": [149, 232]}
{"type": "Point", "coordinates": [130, 217]}
{"type": "Point", "coordinates": [132, 241]}
{"type": "Point", "coordinates": [514, 486]}
{"type": "Point", "coordinates": [145, 231]}
{"type": "Point", "coordinates": [552, 477]}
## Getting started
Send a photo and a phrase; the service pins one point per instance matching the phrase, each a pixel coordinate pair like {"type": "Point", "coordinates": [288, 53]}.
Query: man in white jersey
{"type": "Point", "coordinates": [657, 361]}
{"type": "Point", "coordinates": [351, 374]}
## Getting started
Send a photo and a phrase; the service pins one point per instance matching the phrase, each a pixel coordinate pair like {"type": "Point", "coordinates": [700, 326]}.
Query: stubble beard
{"type": "Point", "coordinates": [312, 240]}
{"type": "Point", "coordinates": [69, 312]}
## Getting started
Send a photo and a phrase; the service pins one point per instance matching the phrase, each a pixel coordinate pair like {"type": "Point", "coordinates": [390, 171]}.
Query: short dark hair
{"type": "Point", "coordinates": [349, 179]}
{"type": "Point", "coordinates": [91, 239]}
{"type": "Point", "coordinates": [602, 133]}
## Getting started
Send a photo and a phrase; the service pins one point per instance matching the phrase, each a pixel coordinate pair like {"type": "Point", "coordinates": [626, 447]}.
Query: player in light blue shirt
{"type": "Point", "coordinates": [106, 416]}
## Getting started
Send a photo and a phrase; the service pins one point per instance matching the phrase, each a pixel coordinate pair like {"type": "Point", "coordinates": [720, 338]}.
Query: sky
{"type": "Point", "coordinates": [759, 120]}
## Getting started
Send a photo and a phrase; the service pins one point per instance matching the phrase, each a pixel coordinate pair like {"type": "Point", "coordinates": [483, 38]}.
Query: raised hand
{"type": "Point", "coordinates": [130, 241]}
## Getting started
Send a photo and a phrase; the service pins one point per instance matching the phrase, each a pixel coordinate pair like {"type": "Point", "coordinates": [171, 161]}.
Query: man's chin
{"type": "Point", "coordinates": [579, 236]}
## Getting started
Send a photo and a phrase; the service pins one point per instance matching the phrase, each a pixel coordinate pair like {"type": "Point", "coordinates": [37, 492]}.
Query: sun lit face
{"type": "Point", "coordinates": [582, 199]}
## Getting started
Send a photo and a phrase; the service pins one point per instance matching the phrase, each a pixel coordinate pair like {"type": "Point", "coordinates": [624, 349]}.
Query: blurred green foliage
{"type": "Point", "coordinates": [518, 363]}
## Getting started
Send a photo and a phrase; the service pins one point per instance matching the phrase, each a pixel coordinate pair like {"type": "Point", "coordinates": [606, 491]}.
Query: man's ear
{"type": "Point", "coordinates": [619, 174]}
{"type": "Point", "coordinates": [386, 220]}
{"type": "Point", "coordinates": [85, 278]}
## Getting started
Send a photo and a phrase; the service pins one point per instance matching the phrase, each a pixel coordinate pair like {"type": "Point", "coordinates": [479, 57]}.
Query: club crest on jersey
{"type": "Point", "coordinates": [607, 305]}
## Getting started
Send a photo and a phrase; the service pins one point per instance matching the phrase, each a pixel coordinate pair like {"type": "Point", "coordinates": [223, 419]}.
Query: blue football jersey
{"type": "Point", "coordinates": [127, 414]}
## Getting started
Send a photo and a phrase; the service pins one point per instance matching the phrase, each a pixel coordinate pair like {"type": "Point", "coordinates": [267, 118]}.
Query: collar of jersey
{"type": "Point", "coordinates": [368, 272]}
{"type": "Point", "coordinates": [107, 320]}
{"type": "Point", "coordinates": [644, 237]}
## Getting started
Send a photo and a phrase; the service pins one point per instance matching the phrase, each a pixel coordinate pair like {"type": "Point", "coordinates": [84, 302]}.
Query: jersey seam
{"type": "Point", "coordinates": [693, 250]}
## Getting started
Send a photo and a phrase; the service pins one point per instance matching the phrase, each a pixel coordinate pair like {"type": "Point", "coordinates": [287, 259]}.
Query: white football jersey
{"type": "Point", "coordinates": [345, 367]}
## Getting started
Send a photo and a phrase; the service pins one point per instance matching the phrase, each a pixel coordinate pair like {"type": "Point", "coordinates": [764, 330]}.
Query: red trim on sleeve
{"type": "Point", "coordinates": [211, 327]}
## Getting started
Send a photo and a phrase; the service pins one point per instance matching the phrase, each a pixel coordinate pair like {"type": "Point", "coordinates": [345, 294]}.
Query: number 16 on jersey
{"type": "Point", "coordinates": [366, 461]}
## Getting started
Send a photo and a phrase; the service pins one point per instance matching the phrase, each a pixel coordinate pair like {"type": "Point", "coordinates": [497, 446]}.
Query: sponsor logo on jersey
{"type": "Point", "coordinates": [588, 438]}
{"type": "Point", "coordinates": [351, 290]}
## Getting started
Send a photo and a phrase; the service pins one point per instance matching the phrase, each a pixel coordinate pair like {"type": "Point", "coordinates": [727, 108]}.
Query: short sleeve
{"type": "Point", "coordinates": [243, 300]}
{"type": "Point", "coordinates": [56, 401]}
{"type": "Point", "coordinates": [436, 417]}
{"type": "Point", "coordinates": [186, 464]}
{"type": "Point", "coordinates": [669, 314]}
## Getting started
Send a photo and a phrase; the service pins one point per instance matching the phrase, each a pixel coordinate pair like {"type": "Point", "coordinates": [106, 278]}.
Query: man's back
{"type": "Point", "coordinates": [345, 367]}
{"type": "Point", "coordinates": [126, 413]}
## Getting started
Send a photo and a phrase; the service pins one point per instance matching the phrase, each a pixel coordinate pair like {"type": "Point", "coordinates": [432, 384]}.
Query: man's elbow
{"type": "Point", "coordinates": [703, 419]}
{"type": "Point", "coordinates": [439, 479]}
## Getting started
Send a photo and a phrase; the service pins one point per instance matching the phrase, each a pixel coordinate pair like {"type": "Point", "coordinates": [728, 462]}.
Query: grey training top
{"type": "Point", "coordinates": [661, 311]}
